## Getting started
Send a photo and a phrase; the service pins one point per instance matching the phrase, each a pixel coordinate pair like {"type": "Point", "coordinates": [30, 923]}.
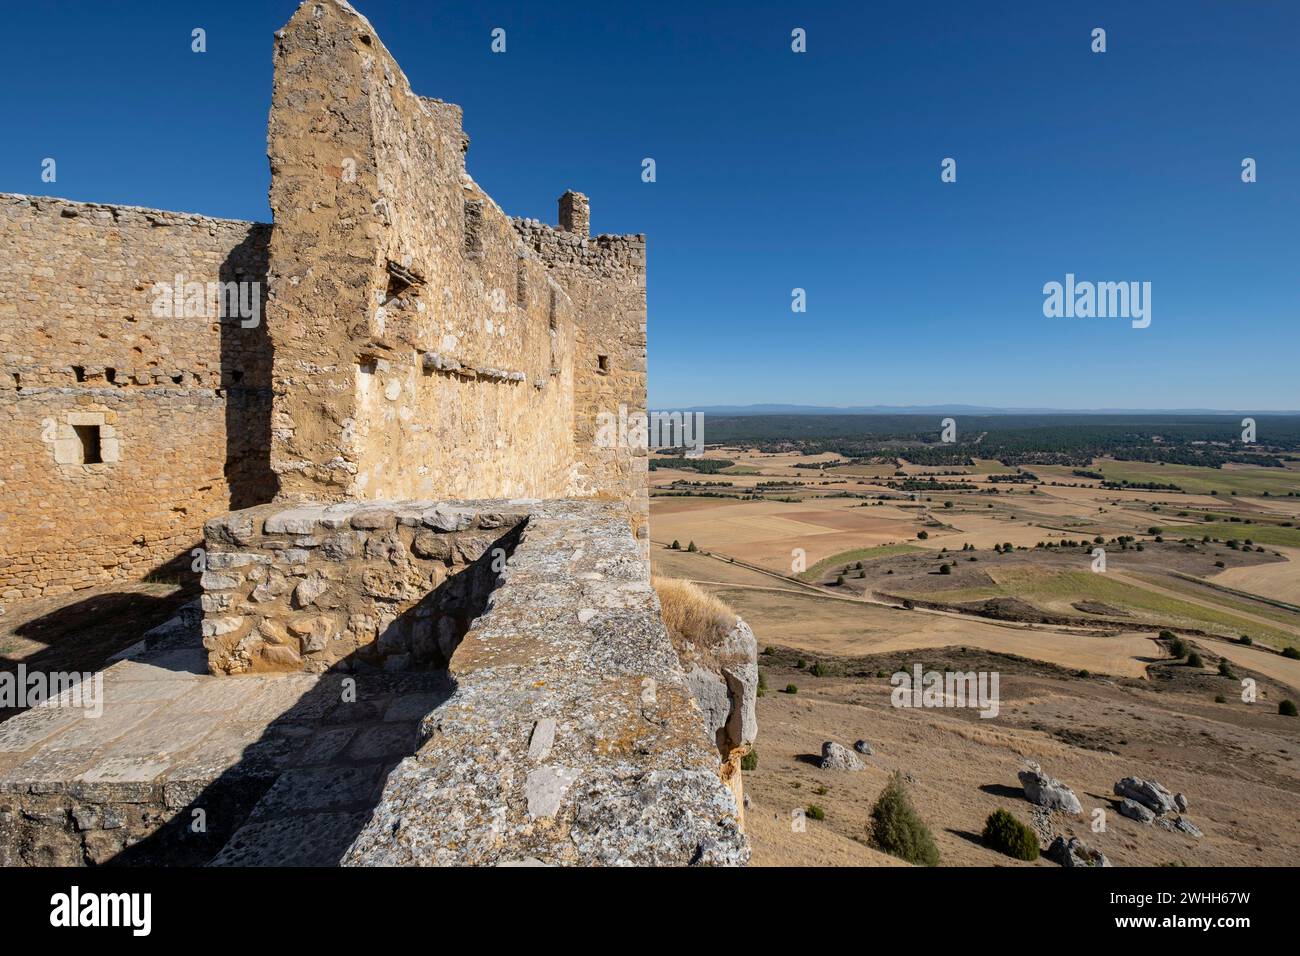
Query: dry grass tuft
{"type": "Point", "coordinates": [691, 613]}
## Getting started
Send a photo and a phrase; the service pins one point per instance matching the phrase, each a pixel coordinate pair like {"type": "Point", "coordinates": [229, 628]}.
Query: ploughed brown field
{"type": "Point", "coordinates": [828, 569]}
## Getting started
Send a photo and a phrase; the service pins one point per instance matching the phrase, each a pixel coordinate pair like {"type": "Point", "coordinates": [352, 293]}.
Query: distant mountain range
{"type": "Point", "coordinates": [777, 409]}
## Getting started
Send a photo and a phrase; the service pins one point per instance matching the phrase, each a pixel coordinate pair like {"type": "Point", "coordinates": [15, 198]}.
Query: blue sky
{"type": "Point", "coordinates": [779, 170]}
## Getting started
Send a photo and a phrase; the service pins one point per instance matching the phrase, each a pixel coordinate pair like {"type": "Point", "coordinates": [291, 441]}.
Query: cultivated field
{"type": "Point", "coordinates": [863, 568]}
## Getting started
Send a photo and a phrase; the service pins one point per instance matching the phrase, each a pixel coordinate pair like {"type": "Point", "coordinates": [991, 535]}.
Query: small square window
{"type": "Point", "coordinates": [88, 439]}
{"type": "Point", "coordinates": [602, 364]}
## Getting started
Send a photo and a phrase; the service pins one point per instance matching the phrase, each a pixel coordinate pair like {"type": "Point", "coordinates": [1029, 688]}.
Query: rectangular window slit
{"type": "Point", "coordinates": [88, 438]}
{"type": "Point", "coordinates": [602, 363]}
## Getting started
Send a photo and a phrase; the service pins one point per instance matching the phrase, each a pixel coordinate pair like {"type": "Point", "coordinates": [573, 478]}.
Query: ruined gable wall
{"type": "Point", "coordinates": [181, 404]}
{"type": "Point", "coordinates": [606, 280]}
{"type": "Point", "coordinates": [419, 353]}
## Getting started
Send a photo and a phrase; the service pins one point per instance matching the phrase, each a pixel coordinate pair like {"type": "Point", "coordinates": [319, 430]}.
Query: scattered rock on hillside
{"type": "Point", "coordinates": [1180, 801]}
{"type": "Point", "coordinates": [1135, 811]}
{"type": "Point", "coordinates": [1148, 793]}
{"type": "Point", "coordinates": [1180, 825]}
{"type": "Point", "coordinates": [838, 757]}
{"type": "Point", "coordinates": [1047, 792]}
{"type": "Point", "coordinates": [863, 747]}
{"type": "Point", "coordinates": [1074, 852]}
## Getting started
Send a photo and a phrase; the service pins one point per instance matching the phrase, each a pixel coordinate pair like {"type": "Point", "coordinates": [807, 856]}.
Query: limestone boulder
{"type": "Point", "coordinates": [1048, 792]}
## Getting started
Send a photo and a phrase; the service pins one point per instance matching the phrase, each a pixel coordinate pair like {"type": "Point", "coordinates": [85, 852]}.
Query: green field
{"type": "Point", "coordinates": [857, 554]}
{"type": "Point", "coordinates": [1265, 534]}
{"type": "Point", "coordinates": [1202, 481]}
{"type": "Point", "coordinates": [1056, 591]}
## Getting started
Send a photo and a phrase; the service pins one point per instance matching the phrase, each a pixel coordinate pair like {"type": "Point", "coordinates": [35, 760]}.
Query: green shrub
{"type": "Point", "coordinates": [791, 689]}
{"type": "Point", "coordinates": [1194, 660]}
{"type": "Point", "coordinates": [1287, 708]}
{"type": "Point", "coordinates": [817, 670]}
{"type": "Point", "coordinates": [1166, 635]}
{"type": "Point", "coordinates": [1225, 669]}
{"type": "Point", "coordinates": [945, 569]}
{"type": "Point", "coordinates": [1220, 699]}
{"type": "Point", "coordinates": [815, 812]}
{"type": "Point", "coordinates": [691, 547]}
{"type": "Point", "coordinates": [750, 760]}
{"type": "Point", "coordinates": [1178, 647]}
{"type": "Point", "coordinates": [1245, 639]}
{"type": "Point", "coordinates": [1006, 834]}
{"type": "Point", "coordinates": [1291, 652]}
{"type": "Point", "coordinates": [676, 545]}
{"type": "Point", "coordinates": [896, 828]}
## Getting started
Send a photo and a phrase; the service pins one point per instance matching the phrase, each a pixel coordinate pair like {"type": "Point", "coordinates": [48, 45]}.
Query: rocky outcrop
{"type": "Point", "coordinates": [1148, 793]}
{"type": "Point", "coordinates": [864, 748]}
{"type": "Point", "coordinates": [1047, 792]}
{"type": "Point", "coordinates": [1074, 852]}
{"type": "Point", "coordinates": [838, 757]}
{"type": "Point", "coordinates": [1135, 811]}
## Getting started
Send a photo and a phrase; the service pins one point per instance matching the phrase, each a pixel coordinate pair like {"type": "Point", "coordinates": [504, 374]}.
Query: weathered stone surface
{"type": "Point", "coordinates": [1048, 792]}
{"type": "Point", "coordinates": [838, 757]}
{"type": "Point", "coordinates": [1150, 794]}
{"type": "Point", "coordinates": [1074, 852]}
{"type": "Point", "coordinates": [630, 779]}
{"type": "Point", "coordinates": [1135, 811]}
{"type": "Point", "coordinates": [863, 747]}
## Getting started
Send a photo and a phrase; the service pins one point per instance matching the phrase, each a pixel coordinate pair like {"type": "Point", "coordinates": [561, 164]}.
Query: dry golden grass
{"type": "Point", "coordinates": [690, 612]}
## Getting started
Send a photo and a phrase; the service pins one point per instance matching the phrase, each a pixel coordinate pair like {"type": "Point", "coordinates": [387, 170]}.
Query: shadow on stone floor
{"type": "Point", "coordinates": [296, 790]}
{"type": "Point", "coordinates": [82, 633]}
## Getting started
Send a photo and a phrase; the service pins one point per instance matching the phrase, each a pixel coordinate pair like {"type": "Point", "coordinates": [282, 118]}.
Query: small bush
{"type": "Point", "coordinates": [691, 547]}
{"type": "Point", "coordinates": [817, 670]}
{"type": "Point", "coordinates": [896, 828]}
{"type": "Point", "coordinates": [1220, 699]}
{"type": "Point", "coordinates": [1291, 652]}
{"type": "Point", "coordinates": [1178, 647]}
{"type": "Point", "coordinates": [791, 689]}
{"type": "Point", "coordinates": [1006, 834]}
{"type": "Point", "coordinates": [676, 545]}
{"type": "Point", "coordinates": [1225, 669]}
{"type": "Point", "coordinates": [815, 812]}
{"type": "Point", "coordinates": [750, 760]}
{"type": "Point", "coordinates": [1166, 635]}
{"type": "Point", "coordinates": [922, 535]}
{"type": "Point", "coordinates": [1245, 639]}
{"type": "Point", "coordinates": [801, 663]}
{"type": "Point", "coordinates": [1194, 660]}
{"type": "Point", "coordinates": [945, 569]}
{"type": "Point", "coordinates": [1287, 708]}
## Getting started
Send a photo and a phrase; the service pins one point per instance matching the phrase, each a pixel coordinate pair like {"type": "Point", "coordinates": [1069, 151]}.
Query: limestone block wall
{"type": "Point", "coordinates": [425, 344]}
{"type": "Point", "coordinates": [605, 278]}
{"type": "Point", "coordinates": [419, 351]}
{"type": "Point", "coordinates": [176, 408]}
{"type": "Point", "coordinates": [352, 584]}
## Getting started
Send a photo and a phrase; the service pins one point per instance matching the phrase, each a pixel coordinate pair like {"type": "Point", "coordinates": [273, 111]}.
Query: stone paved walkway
{"type": "Point", "coordinates": [183, 767]}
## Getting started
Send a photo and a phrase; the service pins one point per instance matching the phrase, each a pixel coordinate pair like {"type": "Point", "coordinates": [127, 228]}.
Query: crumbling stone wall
{"type": "Point", "coordinates": [420, 352]}
{"type": "Point", "coordinates": [179, 406]}
{"type": "Point", "coordinates": [606, 281]}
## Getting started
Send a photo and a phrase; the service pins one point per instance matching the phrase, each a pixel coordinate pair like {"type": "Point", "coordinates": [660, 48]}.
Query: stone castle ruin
{"type": "Point", "coordinates": [371, 426]}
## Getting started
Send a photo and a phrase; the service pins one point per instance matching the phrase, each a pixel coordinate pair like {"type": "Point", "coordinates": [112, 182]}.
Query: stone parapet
{"type": "Point", "coordinates": [572, 736]}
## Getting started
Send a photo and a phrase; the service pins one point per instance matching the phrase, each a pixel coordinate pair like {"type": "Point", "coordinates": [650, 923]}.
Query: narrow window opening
{"type": "Point", "coordinates": [176, 379]}
{"type": "Point", "coordinates": [88, 438]}
{"type": "Point", "coordinates": [79, 372]}
{"type": "Point", "coordinates": [602, 363]}
{"type": "Point", "coordinates": [236, 376]}
{"type": "Point", "coordinates": [111, 375]}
